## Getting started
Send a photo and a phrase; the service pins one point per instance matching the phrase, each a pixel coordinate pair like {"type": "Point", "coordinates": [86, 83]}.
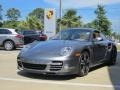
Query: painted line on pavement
{"type": "Point", "coordinates": [8, 53]}
{"type": "Point", "coordinates": [61, 83]}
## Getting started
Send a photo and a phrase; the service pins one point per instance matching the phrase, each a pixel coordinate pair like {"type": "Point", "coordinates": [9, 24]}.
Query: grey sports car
{"type": "Point", "coordinates": [72, 51]}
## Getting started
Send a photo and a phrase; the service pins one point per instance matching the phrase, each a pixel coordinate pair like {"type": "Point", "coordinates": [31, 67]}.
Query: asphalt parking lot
{"type": "Point", "coordinates": [99, 78]}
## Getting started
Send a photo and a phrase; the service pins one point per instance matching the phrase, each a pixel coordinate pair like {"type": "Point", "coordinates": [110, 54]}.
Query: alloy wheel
{"type": "Point", "coordinates": [84, 64]}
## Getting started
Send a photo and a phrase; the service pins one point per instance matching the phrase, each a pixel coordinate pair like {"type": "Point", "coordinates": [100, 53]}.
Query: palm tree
{"type": "Point", "coordinates": [34, 23]}
{"type": "Point", "coordinates": [71, 20]}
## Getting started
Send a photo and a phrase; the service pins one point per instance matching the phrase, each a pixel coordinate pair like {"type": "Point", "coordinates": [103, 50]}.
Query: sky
{"type": "Point", "coordinates": [85, 8]}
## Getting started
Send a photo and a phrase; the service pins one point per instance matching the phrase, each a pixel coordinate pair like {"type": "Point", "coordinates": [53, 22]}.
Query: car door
{"type": "Point", "coordinates": [99, 49]}
{"type": "Point", "coordinates": [30, 36]}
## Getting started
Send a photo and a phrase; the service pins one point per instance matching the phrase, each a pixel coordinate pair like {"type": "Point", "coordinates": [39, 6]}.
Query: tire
{"type": "Point", "coordinates": [9, 45]}
{"type": "Point", "coordinates": [84, 64]}
{"type": "Point", "coordinates": [113, 57]}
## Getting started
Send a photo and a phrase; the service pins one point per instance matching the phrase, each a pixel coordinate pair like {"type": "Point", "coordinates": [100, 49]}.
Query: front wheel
{"type": "Point", "coordinates": [84, 64]}
{"type": "Point", "coordinates": [113, 57]}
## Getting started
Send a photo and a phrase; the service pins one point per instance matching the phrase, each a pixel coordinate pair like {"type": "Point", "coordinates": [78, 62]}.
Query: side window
{"type": "Point", "coordinates": [25, 33]}
{"type": "Point", "coordinates": [2, 31]}
{"type": "Point", "coordinates": [5, 31]}
{"type": "Point", "coordinates": [97, 36]}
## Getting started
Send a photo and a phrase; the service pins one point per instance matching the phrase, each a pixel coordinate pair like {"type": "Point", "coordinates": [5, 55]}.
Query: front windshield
{"type": "Point", "coordinates": [82, 35]}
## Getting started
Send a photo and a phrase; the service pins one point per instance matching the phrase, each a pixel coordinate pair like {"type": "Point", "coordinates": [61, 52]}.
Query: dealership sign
{"type": "Point", "coordinates": [49, 22]}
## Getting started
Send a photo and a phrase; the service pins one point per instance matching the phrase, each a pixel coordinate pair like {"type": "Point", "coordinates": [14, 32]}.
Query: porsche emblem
{"type": "Point", "coordinates": [49, 14]}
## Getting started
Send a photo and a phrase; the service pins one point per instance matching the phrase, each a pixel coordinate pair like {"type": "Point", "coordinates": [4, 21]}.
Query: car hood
{"type": "Point", "coordinates": [51, 48]}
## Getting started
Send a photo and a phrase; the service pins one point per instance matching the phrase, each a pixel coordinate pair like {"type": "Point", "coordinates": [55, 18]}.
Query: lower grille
{"type": "Point", "coordinates": [56, 65]}
{"type": "Point", "coordinates": [34, 66]}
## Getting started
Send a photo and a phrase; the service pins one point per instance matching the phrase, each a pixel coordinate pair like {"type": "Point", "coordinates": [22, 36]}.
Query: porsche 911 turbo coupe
{"type": "Point", "coordinates": [72, 51]}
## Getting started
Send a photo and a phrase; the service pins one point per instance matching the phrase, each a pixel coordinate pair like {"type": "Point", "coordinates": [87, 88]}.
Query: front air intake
{"type": "Point", "coordinates": [34, 66]}
{"type": "Point", "coordinates": [56, 65]}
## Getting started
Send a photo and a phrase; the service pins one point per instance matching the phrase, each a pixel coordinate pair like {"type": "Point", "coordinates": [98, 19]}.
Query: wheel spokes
{"type": "Point", "coordinates": [85, 63]}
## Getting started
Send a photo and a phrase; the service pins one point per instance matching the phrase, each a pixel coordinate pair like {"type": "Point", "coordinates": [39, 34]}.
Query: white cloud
{"type": "Point", "coordinates": [82, 3]}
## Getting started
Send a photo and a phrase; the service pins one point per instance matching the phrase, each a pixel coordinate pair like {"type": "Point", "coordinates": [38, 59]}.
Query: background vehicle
{"type": "Point", "coordinates": [72, 51]}
{"type": "Point", "coordinates": [10, 39]}
{"type": "Point", "coordinates": [42, 36]}
{"type": "Point", "coordinates": [29, 36]}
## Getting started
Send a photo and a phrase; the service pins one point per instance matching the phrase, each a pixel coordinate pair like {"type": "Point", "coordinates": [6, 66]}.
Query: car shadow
{"type": "Point", "coordinates": [17, 49]}
{"type": "Point", "coordinates": [114, 73]}
{"type": "Point", "coordinates": [46, 77]}
{"type": "Point", "coordinates": [52, 77]}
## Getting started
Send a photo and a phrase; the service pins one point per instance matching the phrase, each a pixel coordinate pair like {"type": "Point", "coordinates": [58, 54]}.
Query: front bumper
{"type": "Point", "coordinates": [54, 67]}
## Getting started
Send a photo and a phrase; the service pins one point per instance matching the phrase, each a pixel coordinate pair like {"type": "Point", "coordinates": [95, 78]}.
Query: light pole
{"type": "Point", "coordinates": [60, 14]}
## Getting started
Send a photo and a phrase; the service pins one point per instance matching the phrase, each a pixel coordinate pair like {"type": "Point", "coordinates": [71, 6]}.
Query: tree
{"type": "Point", "coordinates": [10, 24]}
{"type": "Point", "coordinates": [89, 25]}
{"type": "Point", "coordinates": [101, 22]}
{"type": "Point", "coordinates": [34, 23]}
{"type": "Point", "coordinates": [38, 13]}
{"type": "Point", "coordinates": [1, 24]}
{"type": "Point", "coordinates": [23, 25]}
{"type": "Point", "coordinates": [69, 20]}
{"type": "Point", "coordinates": [13, 14]}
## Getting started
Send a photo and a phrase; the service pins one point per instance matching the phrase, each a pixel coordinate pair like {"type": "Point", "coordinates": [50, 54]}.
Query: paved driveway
{"type": "Point", "coordinates": [99, 78]}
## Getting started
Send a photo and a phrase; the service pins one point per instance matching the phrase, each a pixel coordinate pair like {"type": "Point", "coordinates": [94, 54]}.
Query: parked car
{"type": "Point", "coordinates": [29, 36]}
{"type": "Point", "coordinates": [72, 51]}
{"type": "Point", "coordinates": [42, 36]}
{"type": "Point", "coordinates": [10, 39]}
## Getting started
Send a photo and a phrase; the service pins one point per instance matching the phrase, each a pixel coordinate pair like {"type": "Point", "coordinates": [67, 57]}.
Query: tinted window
{"type": "Point", "coordinates": [29, 32]}
{"type": "Point", "coordinates": [97, 34]}
{"type": "Point", "coordinates": [8, 32]}
{"type": "Point", "coordinates": [81, 35]}
{"type": "Point", "coordinates": [1, 32]}
{"type": "Point", "coordinates": [18, 31]}
{"type": "Point", "coordinates": [5, 31]}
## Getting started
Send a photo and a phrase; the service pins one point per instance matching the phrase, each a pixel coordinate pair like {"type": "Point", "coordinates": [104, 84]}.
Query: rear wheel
{"type": "Point", "coordinates": [84, 64]}
{"type": "Point", "coordinates": [113, 57]}
{"type": "Point", "coordinates": [9, 45]}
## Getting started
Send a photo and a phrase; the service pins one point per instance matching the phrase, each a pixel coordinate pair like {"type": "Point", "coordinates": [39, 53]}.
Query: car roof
{"type": "Point", "coordinates": [10, 29]}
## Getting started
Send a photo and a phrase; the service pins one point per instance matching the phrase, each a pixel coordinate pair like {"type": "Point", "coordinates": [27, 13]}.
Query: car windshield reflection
{"type": "Point", "coordinates": [81, 35]}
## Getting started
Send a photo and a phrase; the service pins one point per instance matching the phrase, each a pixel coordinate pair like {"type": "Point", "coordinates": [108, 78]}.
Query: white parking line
{"type": "Point", "coordinates": [8, 53]}
{"type": "Point", "coordinates": [61, 83]}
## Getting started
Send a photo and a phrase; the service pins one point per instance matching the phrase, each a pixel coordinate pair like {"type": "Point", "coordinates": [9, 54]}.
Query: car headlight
{"type": "Point", "coordinates": [66, 51]}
